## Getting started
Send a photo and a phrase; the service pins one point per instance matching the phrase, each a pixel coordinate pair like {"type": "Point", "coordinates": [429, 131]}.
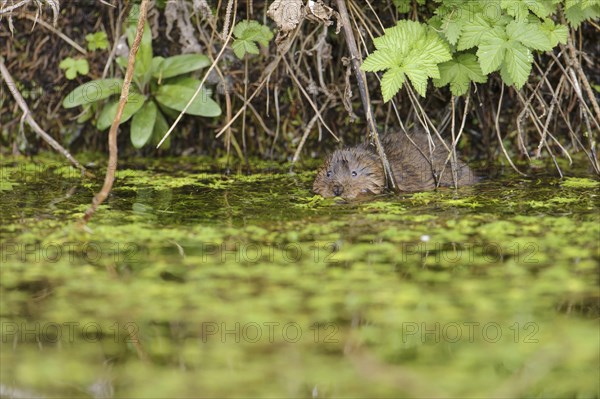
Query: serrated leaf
{"type": "Point", "coordinates": [556, 33]}
{"type": "Point", "coordinates": [177, 97]}
{"type": "Point", "coordinates": [108, 113]}
{"type": "Point", "coordinates": [491, 54]}
{"type": "Point", "coordinates": [472, 32]}
{"type": "Point", "coordinates": [408, 48]}
{"type": "Point", "coordinates": [93, 91]}
{"type": "Point", "coordinates": [518, 63]}
{"type": "Point", "coordinates": [392, 82]}
{"type": "Point", "coordinates": [453, 31]}
{"type": "Point", "coordinates": [516, 8]}
{"type": "Point", "coordinates": [247, 33]}
{"type": "Point", "coordinates": [380, 60]}
{"type": "Point", "coordinates": [142, 124]}
{"type": "Point", "coordinates": [241, 47]}
{"type": "Point", "coordinates": [97, 41]}
{"type": "Point", "coordinates": [418, 80]}
{"type": "Point", "coordinates": [436, 49]}
{"type": "Point", "coordinates": [459, 73]}
{"type": "Point", "coordinates": [530, 35]}
{"type": "Point", "coordinates": [576, 14]}
{"type": "Point", "coordinates": [178, 65]}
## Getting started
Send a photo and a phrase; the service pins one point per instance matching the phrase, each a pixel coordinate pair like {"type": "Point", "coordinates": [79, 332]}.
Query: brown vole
{"type": "Point", "coordinates": [356, 171]}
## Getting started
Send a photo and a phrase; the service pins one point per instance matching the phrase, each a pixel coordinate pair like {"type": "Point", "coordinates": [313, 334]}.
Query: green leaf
{"type": "Point", "coordinates": [247, 33]}
{"type": "Point", "coordinates": [418, 80]}
{"type": "Point", "coordinates": [93, 91]}
{"type": "Point", "coordinates": [518, 63]}
{"type": "Point", "coordinates": [556, 33]}
{"type": "Point", "coordinates": [241, 47]}
{"type": "Point", "coordinates": [459, 73]}
{"type": "Point", "coordinates": [516, 8]}
{"type": "Point", "coordinates": [452, 31]}
{"type": "Point", "coordinates": [472, 32]}
{"type": "Point", "coordinates": [491, 54]}
{"type": "Point", "coordinates": [392, 82]}
{"type": "Point", "coordinates": [97, 41]}
{"type": "Point", "coordinates": [108, 113]}
{"type": "Point", "coordinates": [142, 124]}
{"type": "Point", "coordinates": [177, 97]}
{"type": "Point", "coordinates": [160, 128]}
{"type": "Point", "coordinates": [178, 65]}
{"type": "Point", "coordinates": [380, 60]}
{"type": "Point", "coordinates": [73, 67]}
{"type": "Point", "coordinates": [403, 6]}
{"type": "Point", "coordinates": [410, 49]}
{"type": "Point", "coordinates": [530, 35]}
{"type": "Point", "coordinates": [577, 12]}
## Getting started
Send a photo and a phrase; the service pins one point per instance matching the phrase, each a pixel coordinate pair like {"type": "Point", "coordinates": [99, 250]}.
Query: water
{"type": "Point", "coordinates": [188, 283]}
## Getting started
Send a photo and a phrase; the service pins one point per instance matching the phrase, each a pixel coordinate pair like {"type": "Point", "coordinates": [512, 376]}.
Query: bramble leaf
{"type": "Point", "coordinates": [491, 54]}
{"type": "Point", "coordinates": [459, 73]}
{"type": "Point", "coordinates": [410, 49]}
{"type": "Point", "coordinates": [73, 67]}
{"type": "Point", "coordinates": [556, 33]}
{"type": "Point", "coordinates": [530, 35]}
{"type": "Point", "coordinates": [247, 33]}
{"type": "Point", "coordinates": [392, 82]}
{"type": "Point", "coordinates": [97, 41]}
{"type": "Point", "coordinates": [518, 63]}
{"type": "Point", "coordinates": [472, 32]}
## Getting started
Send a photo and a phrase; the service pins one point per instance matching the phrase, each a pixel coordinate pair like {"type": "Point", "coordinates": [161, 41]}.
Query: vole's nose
{"type": "Point", "coordinates": [338, 190]}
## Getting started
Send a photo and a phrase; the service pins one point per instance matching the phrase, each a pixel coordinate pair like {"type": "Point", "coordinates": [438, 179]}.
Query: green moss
{"type": "Point", "coordinates": [579, 182]}
{"type": "Point", "coordinates": [198, 263]}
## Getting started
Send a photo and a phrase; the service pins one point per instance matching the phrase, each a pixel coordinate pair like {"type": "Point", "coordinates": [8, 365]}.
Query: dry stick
{"type": "Point", "coordinates": [112, 135]}
{"type": "Point", "coordinates": [538, 151]}
{"type": "Point", "coordinates": [310, 101]}
{"type": "Point", "coordinates": [574, 62]}
{"type": "Point", "coordinates": [455, 141]}
{"type": "Point", "coordinates": [364, 95]}
{"type": "Point", "coordinates": [259, 118]}
{"type": "Point", "coordinates": [57, 33]}
{"type": "Point", "coordinates": [536, 122]}
{"type": "Point", "coordinates": [497, 126]}
{"type": "Point", "coordinates": [307, 130]}
{"type": "Point", "coordinates": [27, 115]}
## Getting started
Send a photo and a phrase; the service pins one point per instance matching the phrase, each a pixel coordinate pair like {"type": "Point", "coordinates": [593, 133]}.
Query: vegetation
{"type": "Point", "coordinates": [467, 49]}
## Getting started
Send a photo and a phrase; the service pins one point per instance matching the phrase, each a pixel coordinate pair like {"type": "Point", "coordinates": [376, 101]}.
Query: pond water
{"type": "Point", "coordinates": [190, 283]}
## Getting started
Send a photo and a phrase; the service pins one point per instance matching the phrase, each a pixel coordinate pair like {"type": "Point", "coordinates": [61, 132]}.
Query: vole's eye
{"type": "Point", "coordinates": [329, 173]}
{"type": "Point", "coordinates": [354, 174]}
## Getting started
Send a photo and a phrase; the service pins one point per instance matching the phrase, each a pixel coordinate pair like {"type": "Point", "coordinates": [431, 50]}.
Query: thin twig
{"type": "Point", "coordinates": [112, 135]}
{"type": "Point", "coordinates": [497, 126]}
